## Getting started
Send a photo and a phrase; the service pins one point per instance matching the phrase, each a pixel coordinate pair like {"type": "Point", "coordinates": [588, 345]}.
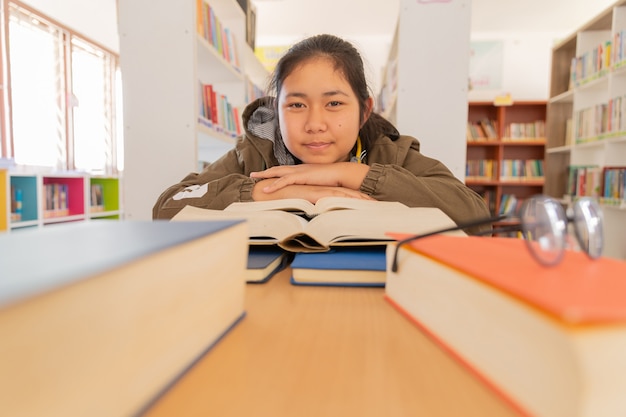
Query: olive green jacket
{"type": "Point", "coordinates": [398, 172]}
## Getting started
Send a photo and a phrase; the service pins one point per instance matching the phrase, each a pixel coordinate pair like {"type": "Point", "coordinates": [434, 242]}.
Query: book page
{"type": "Point", "coordinates": [264, 227]}
{"type": "Point", "coordinates": [337, 203]}
{"type": "Point", "coordinates": [333, 228]}
{"type": "Point", "coordinates": [296, 205]}
{"type": "Point", "coordinates": [324, 204]}
{"type": "Point", "coordinates": [349, 227]}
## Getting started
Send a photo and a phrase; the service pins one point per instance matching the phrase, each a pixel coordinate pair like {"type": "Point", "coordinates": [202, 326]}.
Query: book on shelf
{"type": "Point", "coordinates": [99, 318]}
{"type": "Point", "coordinates": [613, 187]}
{"type": "Point", "coordinates": [510, 204]}
{"type": "Point", "coordinates": [96, 201]}
{"type": "Point", "coordinates": [56, 199]}
{"type": "Point", "coordinates": [264, 262]}
{"type": "Point", "coordinates": [525, 131]}
{"type": "Point", "coordinates": [296, 225]}
{"type": "Point", "coordinates": [569, 132]}
{"type": "Point", "coordinates": [489, 128]}
{"type": "Point", "coordinates": [475, 132]}
{"type": "Point", "coordinates": [549, 340]}
{"type": "Point", "coordinates": [521, 169]}
{"type": "Point", "coordinates": [584, 180]}
{"type": "Point", "coordinates": [219, 36]}
{"type": "Point", "coordinates": [362, 266]}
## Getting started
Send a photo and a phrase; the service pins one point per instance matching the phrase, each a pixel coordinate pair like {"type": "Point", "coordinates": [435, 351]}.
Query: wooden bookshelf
{"type": "Point", "coordinates": [509, 161]}
{"type": "Point", "coordinates": [167, 133]}
{"type": "Point", "coordinates": [36, 200]}
{"type": "Point", "coordinates": [586, 125]}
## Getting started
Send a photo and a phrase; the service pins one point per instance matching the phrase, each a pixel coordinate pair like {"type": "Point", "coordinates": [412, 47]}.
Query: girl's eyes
{"type": "Point", "coordinates": [333, 103]}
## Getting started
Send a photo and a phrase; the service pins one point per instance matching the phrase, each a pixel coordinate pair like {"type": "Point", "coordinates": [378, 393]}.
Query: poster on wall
{"type": "Point", "coordinates": [269, 55]}
{"type": "Point", "coordinates": [485, 65]}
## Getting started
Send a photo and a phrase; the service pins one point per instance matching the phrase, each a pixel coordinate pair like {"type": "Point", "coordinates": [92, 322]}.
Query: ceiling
{"type": "Point", "coordinates": [294, 19]}
{"type": "Point", "coordinates": [370, 24]}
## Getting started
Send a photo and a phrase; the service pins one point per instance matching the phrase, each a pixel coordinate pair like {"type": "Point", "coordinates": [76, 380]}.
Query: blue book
{"type": "Point", "coordinates": [115, 309]}
{"type": "Point", "coordinates": [265, 261]}
{"type": "Point", "coordinates": [363, 266]}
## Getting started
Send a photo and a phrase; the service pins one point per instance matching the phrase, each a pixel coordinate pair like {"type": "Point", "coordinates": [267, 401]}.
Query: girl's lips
{"type": "Point", "coordinates": [318, 145]}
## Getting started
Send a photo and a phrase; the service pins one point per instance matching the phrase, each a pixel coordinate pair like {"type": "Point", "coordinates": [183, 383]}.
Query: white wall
{"type": "Point", "coordinates": [525, 65]}
{"type": "Point", "coordinates": [95, 19]}
{"type": "Point", "coordinates": [432, 78]}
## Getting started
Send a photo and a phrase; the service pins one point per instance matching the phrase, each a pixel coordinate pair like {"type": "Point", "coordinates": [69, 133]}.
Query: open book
{"type": "Point", "coordinates": [299, 226]}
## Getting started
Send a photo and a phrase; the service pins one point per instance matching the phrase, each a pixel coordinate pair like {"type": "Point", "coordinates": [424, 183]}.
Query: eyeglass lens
{"type": "Point", "coordinates": [588, 227]}
{"type": "Point", "coordinates": [544, 228]}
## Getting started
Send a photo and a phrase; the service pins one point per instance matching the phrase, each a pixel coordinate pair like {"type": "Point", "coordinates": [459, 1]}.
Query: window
{"type": "Point", "coordinates": [62, 110]}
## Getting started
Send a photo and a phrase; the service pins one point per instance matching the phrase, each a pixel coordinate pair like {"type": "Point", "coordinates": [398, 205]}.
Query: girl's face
{"type": "Point", "coordinates": [318, 113]}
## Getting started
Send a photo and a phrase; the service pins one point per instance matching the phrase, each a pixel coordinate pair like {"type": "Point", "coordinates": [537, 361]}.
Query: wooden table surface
{"type": "Point", "coordinates": [325, 351]}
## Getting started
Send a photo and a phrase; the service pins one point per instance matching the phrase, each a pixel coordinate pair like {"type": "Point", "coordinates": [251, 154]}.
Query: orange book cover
{"type": "Point", "coordinates": [579, 290]}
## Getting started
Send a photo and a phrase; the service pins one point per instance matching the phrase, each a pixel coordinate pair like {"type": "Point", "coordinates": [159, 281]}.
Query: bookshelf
{"type": "Point", "coordinates": [166, 63]}
{"type": "Point", "coordinates": [505, 151]}
{"type": "Point", "coordinates": [586, 130]}
{"type": "Point", "coordinates": [36, 200]}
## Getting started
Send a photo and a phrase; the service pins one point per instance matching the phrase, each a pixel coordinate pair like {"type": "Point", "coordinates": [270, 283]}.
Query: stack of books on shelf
{"type": "Point", "coordinates": [253, 91]}
{"type": "Point", "coordinates": [217, 112]}
{"type": "Point", "coordinates": [510, 204]}
{"type": "Point", "coordinates": [600, 121]}
{"type": "Point", "coordinates": [55, 198]}
{"type": "Point", "coordinates": [481, 169]}
{"type": "Point", "coordinates": [521, 169]}
{"type": "Point", "coordinates": [96, 198]}
{"type": "Point", "coordinates": [591, 65]}
{"type": "Point", "coordinates": [210, 27]}
{"type": "Point", "coordinates": [618, 55]}
{"type": "Point", "coordinates": [484, 129]}
{"type": "Point", "coordinates": [17, 201]}
{"type": "Point", "coordinates": [584, 181]}
{"type": "Point", "coordinates": [526, 131]}
{"type": "Point", "coordinates": [607, 183]}
{"type": "Point", "coordinates": [613, 185]}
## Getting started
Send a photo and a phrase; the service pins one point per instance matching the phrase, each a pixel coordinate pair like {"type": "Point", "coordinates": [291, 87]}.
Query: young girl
{"type": "Point", "coordinates": [318, 137]}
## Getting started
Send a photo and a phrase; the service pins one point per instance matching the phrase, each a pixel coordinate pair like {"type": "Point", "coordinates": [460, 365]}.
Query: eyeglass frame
{"type": "Point", "coordinates": [520, 227]}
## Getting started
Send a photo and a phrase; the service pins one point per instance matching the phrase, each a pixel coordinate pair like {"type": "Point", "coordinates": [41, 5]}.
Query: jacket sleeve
{"type": "Point", "coordinates": [223, 182]}
{"type": "Point", "coordinates": [420, 181]}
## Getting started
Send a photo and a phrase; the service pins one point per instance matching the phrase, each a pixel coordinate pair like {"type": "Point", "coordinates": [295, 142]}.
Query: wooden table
{"type": "Point", "coordinates": [324, 351]}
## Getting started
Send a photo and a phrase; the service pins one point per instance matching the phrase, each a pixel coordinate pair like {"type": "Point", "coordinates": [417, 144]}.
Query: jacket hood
{"type": "Point", "coordinates": [260, 120]}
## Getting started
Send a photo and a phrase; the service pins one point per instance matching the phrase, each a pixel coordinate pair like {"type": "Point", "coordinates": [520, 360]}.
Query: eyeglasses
{"type": "Point", "coordinates": [543, 225]}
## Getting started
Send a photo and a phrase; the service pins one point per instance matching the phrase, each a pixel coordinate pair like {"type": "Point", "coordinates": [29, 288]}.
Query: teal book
{"type": "Point", "coordinates": [363, 266]}
{"type": "Point", "coordinates": [265, 261]}
{"type": "Point", "coordinates": [106, 315]}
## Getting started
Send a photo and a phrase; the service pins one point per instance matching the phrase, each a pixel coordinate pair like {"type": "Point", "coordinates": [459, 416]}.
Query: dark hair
{"type": "Point", "coordinates": [347, 60]}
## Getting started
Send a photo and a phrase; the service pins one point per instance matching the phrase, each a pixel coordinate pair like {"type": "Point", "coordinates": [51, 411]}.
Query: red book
{"type": "Point", "coordinates": [550, 340]}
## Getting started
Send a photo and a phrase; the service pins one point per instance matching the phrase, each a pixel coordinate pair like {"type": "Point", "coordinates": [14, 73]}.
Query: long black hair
{"type": "Point", "coordinates": [348, 61]}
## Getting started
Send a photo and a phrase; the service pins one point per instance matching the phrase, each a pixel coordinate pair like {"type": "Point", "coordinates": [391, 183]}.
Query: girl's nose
{"type": "Point", "coordinates": [315, 121]}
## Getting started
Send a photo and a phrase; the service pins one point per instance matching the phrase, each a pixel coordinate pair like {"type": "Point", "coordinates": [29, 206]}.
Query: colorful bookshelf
{"type": "Point", "coordinates": [506, 151]}
{"type": "Point", "coordinates": [104, 198]}
{"type": "Point", "coordinates": [4, 201]}
{"type": "Point", "coordinates": [586, 126]}
{"type": "Point", "coordinates": [63, 198]}
{"type": "Point", "coordinates": [35, 200]}
{"type": "Point", "coordinates": [200, 52]}
{"type": "Point", "coordinates": [25, 188]}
